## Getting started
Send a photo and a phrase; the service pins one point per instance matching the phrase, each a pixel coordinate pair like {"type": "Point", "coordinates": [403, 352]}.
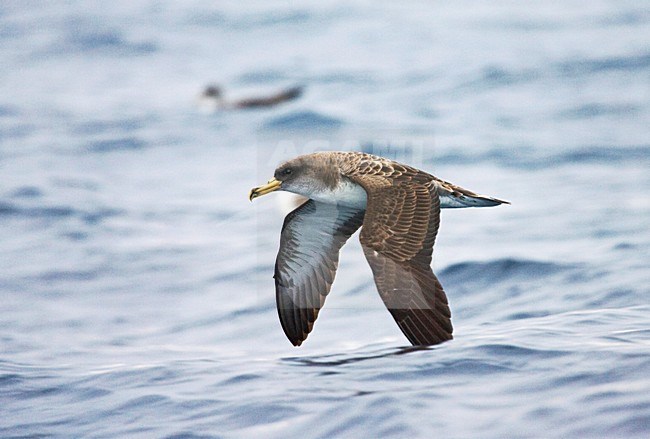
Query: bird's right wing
{"type": "Point", "coordinates": [399, 230]}
{"type": "Point", "coordinates": [311, 238]}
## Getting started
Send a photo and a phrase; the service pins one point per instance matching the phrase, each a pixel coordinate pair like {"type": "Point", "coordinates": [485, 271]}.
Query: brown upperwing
{"type": "Point", "coordinates": [398, 233]}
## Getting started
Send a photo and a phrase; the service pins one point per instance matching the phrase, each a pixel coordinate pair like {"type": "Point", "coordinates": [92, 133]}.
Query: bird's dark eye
{"type": "Point", "coordinates": [287, 171]}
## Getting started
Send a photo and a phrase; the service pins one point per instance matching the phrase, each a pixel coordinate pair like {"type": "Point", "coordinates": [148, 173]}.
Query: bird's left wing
{"type": "Point", "coordinates": [311, 238]}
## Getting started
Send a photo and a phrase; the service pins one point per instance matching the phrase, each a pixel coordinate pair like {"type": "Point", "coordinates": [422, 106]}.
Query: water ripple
{"type": "Point", "coordinates": [303, 120]}
{"type": "Point", "coordinates": [118, 144]}
{"type": "Point", "coordinates": [501, 269]}
{"type": "Point", "coordinates": [53, 212]}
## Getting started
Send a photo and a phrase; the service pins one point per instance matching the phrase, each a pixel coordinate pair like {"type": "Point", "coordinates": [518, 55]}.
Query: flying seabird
{"type": "Point", "coordinates": [212, 98]}
{"type": "Point", "coordinates": [398, 210]}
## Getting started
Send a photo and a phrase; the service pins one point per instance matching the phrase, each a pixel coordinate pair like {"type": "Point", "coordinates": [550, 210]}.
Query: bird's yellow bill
{"type": "Point", "coordinates": [272, 185]}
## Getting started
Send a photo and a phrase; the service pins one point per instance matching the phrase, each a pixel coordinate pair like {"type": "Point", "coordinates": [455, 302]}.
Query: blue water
{"type": "Point", "coordinates": [136, 290]}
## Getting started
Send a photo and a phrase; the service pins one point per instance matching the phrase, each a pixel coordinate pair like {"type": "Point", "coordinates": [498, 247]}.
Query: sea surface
{"type": "Point", "coordinates": [136, 290]}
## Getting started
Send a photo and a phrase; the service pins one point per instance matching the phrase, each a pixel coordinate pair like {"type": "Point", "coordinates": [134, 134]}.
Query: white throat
{"type": "Point", "coordinates": [346, 193]}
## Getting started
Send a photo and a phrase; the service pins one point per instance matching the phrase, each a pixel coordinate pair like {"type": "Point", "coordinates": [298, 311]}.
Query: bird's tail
{"type": "Point", "coordinates": [452, 196]}
{"type": "Point", "coordinates": [292, 93]}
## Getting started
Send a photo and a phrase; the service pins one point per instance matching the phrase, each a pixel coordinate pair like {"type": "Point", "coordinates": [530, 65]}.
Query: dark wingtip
{"type": "Point", "coordinates": [294, 339]}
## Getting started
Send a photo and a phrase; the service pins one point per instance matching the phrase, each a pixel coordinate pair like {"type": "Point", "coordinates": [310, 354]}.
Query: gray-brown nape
{"type": "Point", "coordinates": [327, 169]}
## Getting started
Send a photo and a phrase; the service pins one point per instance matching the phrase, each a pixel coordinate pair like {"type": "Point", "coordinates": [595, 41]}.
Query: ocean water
{"type": "Point", "coordinates": [136, 290]}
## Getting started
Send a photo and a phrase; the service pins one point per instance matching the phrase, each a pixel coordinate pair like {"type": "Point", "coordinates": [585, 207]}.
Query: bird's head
{"type": "Point", "coordinates": [303, 175]}
{"type": "Point", "coordinates": [212, 91]}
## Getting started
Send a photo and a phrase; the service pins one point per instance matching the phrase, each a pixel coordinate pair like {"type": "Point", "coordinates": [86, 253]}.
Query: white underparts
{"type": "Point", "coordinates": [346, 193]}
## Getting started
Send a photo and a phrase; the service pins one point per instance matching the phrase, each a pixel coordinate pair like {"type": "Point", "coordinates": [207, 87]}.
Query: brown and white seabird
{"type": "Point", "coordinates": [212, 99]}
{"type": "Point", "coordinates": [398, 210]}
